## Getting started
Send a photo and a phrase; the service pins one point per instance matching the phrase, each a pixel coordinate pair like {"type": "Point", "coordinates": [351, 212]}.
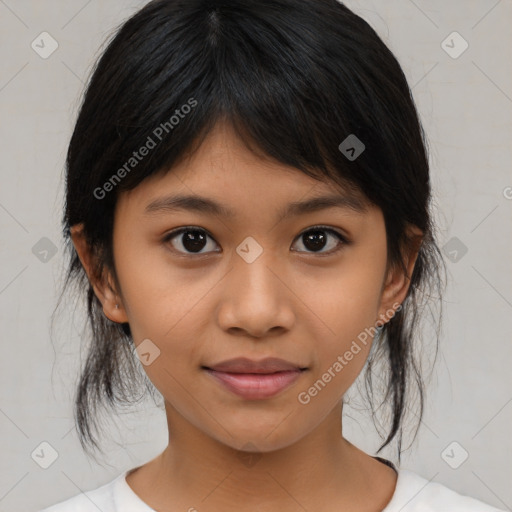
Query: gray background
{"type": "Point", "coordinates": [465, 104]}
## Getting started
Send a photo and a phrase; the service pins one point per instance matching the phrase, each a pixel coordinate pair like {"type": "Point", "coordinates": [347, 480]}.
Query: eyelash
{"type": "Point", "coordinates": [344, 241]}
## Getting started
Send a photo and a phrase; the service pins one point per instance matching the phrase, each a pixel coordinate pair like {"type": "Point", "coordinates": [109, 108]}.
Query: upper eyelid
{"type": "Point", "coordinates": [305, 230]}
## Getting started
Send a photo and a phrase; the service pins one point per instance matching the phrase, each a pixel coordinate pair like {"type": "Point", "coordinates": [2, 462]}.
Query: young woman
{"type": "Point", "coordinates": [248, 207]}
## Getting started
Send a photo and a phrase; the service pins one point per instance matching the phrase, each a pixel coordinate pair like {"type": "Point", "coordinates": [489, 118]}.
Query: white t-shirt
{"type": "Point", "coordinates": [413, 493]}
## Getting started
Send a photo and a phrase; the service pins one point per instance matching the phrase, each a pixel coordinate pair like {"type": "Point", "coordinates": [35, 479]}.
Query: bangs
{"type": "Point", "coordinates": [291, 93]}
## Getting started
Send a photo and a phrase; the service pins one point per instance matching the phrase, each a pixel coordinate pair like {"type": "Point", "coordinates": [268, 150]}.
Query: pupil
{"type": "Point", "coordinates": [193, 241]}
{"type": "Point", "coordinates": [315, 240]}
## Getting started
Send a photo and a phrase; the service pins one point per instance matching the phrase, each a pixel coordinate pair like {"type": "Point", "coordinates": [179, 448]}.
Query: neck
{"type": "Point", "coordinates": [313, 473]}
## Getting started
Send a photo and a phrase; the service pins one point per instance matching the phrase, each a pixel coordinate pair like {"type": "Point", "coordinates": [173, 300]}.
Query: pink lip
{"type": "Point", "coordinates": [245, 365]}
{"type": "Point", "coordinates": [256, 386]}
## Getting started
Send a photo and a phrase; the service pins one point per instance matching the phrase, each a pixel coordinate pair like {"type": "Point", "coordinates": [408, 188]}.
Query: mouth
{"type": "Point", "coordinates": [263, 366]}
{"type": "Point", "coordinates": [255, 380]}
{"type": "Point", "coordinates": [257, 385]}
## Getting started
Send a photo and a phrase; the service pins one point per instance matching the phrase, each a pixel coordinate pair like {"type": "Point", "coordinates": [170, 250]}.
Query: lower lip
{"type": "Point", "coordinates": [253, 386]}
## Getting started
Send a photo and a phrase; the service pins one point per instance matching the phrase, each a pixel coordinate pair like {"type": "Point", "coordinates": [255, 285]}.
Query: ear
{"type": "Point", "coordinates": [104, 290]}
{"type": "Point", "coordinates": [396, 285]}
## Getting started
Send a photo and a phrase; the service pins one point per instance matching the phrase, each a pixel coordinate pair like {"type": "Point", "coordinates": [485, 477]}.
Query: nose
{"type": "Point", "coordinates": [256, 300]}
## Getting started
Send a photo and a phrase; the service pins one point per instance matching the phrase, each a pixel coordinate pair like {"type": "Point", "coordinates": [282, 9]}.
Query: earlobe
{"type": "Point", "coordinates": [104, 291]}
{"type": "Point", "coordinates": [115, 313]}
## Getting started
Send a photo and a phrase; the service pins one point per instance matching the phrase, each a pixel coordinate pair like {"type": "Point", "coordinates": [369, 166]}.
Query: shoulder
{"type": "Point", "coordinates": [413, 493]}
{"type": "Point", "coordinates": [101, 498]}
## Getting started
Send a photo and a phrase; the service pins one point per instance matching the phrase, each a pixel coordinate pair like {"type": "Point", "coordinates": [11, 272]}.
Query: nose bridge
{"type": "Point", "coordinates": [255, 298]}
{"type": "Point", "coordinates": [253, 269]}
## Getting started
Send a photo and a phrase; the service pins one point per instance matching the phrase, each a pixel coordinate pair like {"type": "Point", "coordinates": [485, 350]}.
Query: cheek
{"type": "Point", "coordinates": [346, 305]}
{"type": "Point", "coordinates": [346, 301]}
{"type": "Point", "coordinates": [166, 305]}
{"type": "Point", "coordinates": [156, 295]}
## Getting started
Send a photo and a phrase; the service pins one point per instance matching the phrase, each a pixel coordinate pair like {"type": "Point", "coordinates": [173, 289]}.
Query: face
{"type": "Point", "coordinates": [255, 284]}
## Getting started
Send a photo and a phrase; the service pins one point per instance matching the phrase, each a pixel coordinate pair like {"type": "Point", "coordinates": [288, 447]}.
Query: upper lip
{"type": "Point", "coordinates": [244, 365]}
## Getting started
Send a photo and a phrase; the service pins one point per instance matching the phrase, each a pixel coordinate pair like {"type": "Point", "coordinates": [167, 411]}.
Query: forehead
{"type": "Point", "coordinates": [223, 176]}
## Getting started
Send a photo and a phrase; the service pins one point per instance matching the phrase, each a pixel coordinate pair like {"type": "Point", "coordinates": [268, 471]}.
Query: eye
{"type": "Point", "coordinates": [193, 240]}
{"type": "Point", "coordinates": [315, 239]}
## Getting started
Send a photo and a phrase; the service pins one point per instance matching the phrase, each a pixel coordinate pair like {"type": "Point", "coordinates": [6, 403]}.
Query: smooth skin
{"type": "Point", "coordinates": [294, 301]}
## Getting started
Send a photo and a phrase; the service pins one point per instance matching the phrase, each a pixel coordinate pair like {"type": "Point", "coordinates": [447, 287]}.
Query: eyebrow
{"type": "Point", "coordinates": [208, 206]}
